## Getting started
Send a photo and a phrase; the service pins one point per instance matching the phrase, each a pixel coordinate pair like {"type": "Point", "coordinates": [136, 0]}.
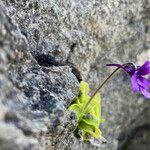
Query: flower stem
{"type": "Point", "coordinates": [110, 76]}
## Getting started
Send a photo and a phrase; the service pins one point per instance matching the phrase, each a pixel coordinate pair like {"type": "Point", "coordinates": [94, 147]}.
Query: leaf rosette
{"type": "Point", "coordinates": [88, 116]}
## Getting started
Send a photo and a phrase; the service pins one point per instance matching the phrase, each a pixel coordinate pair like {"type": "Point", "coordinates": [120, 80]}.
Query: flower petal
{"type": "Point", "coordinates": [134, 84]}
{"type": "Point", "coordinates": [145, 93]}
{"type": "Point", "coordinates": [146, 64]}
{"type": "Point", "coordinates": [143, 82]}
{"type": "Point", "coordinates": [144, 69]}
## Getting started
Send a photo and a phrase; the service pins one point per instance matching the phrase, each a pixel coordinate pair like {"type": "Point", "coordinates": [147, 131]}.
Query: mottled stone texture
{"type": "Point", "coordinates": [39, 39]}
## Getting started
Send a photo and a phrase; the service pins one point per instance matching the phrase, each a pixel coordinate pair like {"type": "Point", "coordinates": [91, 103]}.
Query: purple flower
{"type": "Point", "coordinates": [138, 82]}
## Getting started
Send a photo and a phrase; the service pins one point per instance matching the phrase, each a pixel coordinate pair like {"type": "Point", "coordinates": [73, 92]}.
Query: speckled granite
{"type": "Point", "coordinates": [38, 41]}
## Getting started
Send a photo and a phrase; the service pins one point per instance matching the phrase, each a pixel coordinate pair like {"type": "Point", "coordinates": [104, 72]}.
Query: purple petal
{"type": "Point", "coordinates": [143, 82]}
{"type": "Point", "coordinates": [144, 69]}
{"type": "Point", "coordinates": [145, 93]}
{"type": "Point", "coordinates": [146, 64]}
{"type": "Point", "coordinates": [134, 84]}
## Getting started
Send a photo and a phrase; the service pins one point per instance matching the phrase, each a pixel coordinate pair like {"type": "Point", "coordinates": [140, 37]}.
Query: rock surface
{"type": "Point", "coordinates": [38, 41]}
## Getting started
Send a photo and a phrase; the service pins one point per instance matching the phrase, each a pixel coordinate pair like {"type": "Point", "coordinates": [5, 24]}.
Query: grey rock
{"type": "Point", "coordinates": [39, 39]}
{"type": "Point", "coordinates": [12, 103]}
{"type": "Point", "coordinates": [138, 133]}
{"type": "Point", "coordinates": [9, 133]}
{"type": "Point", "coordinates": [33, 99]}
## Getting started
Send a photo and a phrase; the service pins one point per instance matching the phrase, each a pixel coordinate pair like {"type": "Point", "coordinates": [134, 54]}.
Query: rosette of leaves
{"type": "Point", "coordinates": [88, 114]}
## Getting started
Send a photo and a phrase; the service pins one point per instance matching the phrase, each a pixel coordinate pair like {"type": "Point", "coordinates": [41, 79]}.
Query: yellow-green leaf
{"type": "Point", "coordinates": [88, 114]}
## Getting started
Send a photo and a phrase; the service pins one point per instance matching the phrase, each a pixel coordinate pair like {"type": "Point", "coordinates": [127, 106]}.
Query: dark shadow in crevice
{"type": "Point", "coordinates": [47, 60]}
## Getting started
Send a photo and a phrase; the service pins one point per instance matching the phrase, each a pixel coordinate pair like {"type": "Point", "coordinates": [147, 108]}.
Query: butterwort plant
{"type": "Point", "coordinates": [88, 108]}
{"type": "Point", "coordinates": [88, 112]}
